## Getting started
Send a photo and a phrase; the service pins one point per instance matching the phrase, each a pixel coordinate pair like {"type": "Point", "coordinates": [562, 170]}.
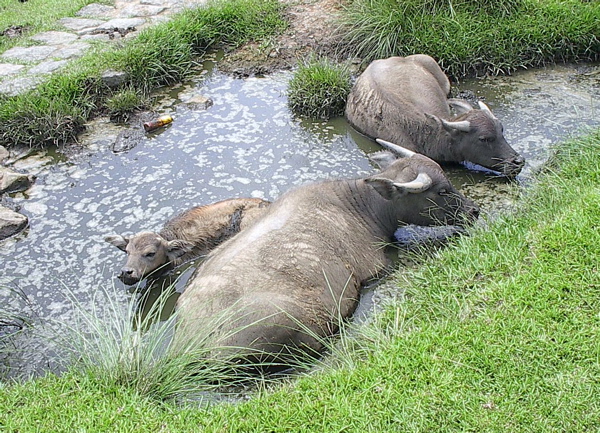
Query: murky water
{"type": "Point", "coordinates": [247, 144]}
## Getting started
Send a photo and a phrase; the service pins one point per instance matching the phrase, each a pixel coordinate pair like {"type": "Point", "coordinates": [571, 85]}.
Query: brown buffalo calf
{"type": "Point", "coordinates": [191, 234]}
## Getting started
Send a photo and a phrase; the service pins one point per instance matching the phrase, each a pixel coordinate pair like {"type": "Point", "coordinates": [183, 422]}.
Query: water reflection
{"type": "Point", "coordinates": [246, 145]}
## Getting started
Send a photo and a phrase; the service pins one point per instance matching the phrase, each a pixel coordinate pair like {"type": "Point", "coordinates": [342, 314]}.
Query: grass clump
{"type": "Point", "coordinates": [319, 88]}
{"type": "Point", "coordinates": [124, 102]}
{"type": "Point", "coordinates": [57, 109]}
{"type": "Point", "coordinates": [473, 37]}
{"type": "Point", "coordinates": [119, 346]}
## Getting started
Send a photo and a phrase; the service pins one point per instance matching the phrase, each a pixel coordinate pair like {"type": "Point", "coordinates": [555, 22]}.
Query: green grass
{"type": "Point", "coordinates": [319, 88]}
{"type": "Point", "coordinates": [35, 16]}
{"type": "Point", "coordinates": [57, 109]}
{"type": "Point", "coordinates": [471, 37]}
{"type": "Point", "coordinates": [497, 332]}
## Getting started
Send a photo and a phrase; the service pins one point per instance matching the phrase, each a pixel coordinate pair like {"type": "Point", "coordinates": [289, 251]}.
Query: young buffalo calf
{"type": "Point", "coordinates": [191, 234]}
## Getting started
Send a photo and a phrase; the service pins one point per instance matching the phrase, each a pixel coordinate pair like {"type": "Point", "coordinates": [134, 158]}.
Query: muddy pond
{"type": "Point", "coordinates": [247, 144]}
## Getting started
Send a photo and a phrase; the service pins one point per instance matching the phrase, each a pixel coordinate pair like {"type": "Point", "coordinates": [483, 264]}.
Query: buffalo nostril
{"type": "Point", "coordinates": [127, 271]}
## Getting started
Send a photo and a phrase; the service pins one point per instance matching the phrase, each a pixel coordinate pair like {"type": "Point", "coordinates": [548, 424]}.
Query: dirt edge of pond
{"type": "Point", "coordinates": [311, 30]}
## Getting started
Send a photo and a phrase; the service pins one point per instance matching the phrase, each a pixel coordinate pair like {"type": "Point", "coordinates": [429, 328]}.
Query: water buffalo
{"type": "Point", "coordinates": [404, 100]}
{"type": "Point", "coordinates": [191, 234]}
{"type": "Point", "coordinates": [278, 288]}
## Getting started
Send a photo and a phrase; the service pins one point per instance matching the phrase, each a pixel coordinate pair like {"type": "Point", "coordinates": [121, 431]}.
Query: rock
{"type": "Point", "coordinates": [48, 67]}
{"type": "Point", "coordinates": [121, 24]}
{"type": "Point", "coordinates": [78, 24]}
{"type": "Point", "coordinates": [11, 222]}
{"type": "Point", "coordinates": [29, 54]}
{"type": "Point", "coordinates": [198, 102]}
{"type": "Point", "coordinates": [71, 51]}
{"type": "Point", "coordinates": [15, 86]}
{"type": "Point", "coordinates": [114, 79]}
{"type": "Point", "coordinates": [141, 11]}
{"type": "Point", "coordinates": [4, 154]}
{"type": "Point", "coordinates": [9, 69]}
{"type": "Point", "coordinates": [128, 139]}
{"type": "Point", "coordinates": [54, 38]}
{"type": "Point", "coordinates": [12, 181]}
{"type": "Point", "coordinates": [96, 10]}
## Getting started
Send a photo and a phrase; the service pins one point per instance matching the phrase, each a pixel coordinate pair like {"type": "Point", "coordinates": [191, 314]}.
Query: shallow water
{"type": "Point", "coordinates": [247, 144]}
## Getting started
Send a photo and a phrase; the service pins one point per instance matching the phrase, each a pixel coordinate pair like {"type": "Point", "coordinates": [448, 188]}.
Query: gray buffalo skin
{"type": "Point", "coordinates": [404, 100]}
{"type": "Point", "coordinates": [190, 234]}
{"type": "Point", "coordinates": [282, 285]}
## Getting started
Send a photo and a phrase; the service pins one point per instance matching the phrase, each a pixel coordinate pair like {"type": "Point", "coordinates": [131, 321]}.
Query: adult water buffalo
{"type": "Point", "coordinates": [191, 234]}
{"type": "Point", "coordinates": [404, 100]}
{"type": "Point", "coordinates": [278, 288]}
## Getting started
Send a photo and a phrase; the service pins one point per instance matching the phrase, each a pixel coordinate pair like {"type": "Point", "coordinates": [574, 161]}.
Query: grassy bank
{"type": "Point", "coordinates": [56, 110]}
{"type": "Point", "coordinates": [497, 332]}
{"type": "Point", "coordinates": [474, 37]}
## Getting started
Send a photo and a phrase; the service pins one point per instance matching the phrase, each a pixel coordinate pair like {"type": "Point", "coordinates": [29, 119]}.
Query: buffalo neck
{"type": "Point", "coordinates": [437, 143]}
{"type": "Point", "coordinates": [361, 200]}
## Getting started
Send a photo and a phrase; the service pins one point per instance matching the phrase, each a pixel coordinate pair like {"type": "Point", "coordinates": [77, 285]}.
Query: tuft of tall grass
{"type": "Point", "coordinates": [114, 345]}
{"type": "Point", "coordinates": [56, 110]}
{"type": "Point", "coordinates": [121, 104]}
{"type": "Point", "coordinates": [473, 37]}
{"type": "Point", "coordinates": [319, 88]}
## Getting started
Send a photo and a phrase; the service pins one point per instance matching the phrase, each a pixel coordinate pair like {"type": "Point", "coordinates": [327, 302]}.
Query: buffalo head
{"type": "Point", "coordinates": [417, 182]}
{"type": "Point", "coordinates": [478, 137]}
{"type": "Point", "coordinates": [147, 252]}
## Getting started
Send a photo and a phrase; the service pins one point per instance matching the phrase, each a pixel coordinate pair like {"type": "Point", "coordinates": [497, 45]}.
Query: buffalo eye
{"type": "Point", "coordinates": [443, 192]}
{"type": "Point", "coordinates": [486, 139]}
{"type": "Point", "coordinates": [149, 255]}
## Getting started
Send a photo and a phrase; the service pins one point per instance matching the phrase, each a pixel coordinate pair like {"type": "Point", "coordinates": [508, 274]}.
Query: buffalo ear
{"type": "Point", "coordinates": [118, 241]}
{"type": "Point", "coordinates": [459, 106]}
{"type": "Point", "coordinates": [383, 159]}
{"type": "Point", "coordinates": [386, 187]}
{"type": "Point", "coordinates": [178, 247]}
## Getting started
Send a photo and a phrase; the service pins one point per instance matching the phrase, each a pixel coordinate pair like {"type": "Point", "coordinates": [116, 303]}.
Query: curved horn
{"type": "Point", "coordinates": [463, 125]}
{"type": "Point", "coordinates": [486, 109]}
{"type": "Point", "coordinates": [421, 183]}
{"type": "Point", "coordinates": [401, 151]}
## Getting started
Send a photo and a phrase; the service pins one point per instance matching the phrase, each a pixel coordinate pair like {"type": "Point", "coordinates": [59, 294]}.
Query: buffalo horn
{"type": "Point", "coordinates": [421, 183]}
{"type": "Point", "coordinates": [462, 125]}
{"type": "Point", "coordinates": [486, 109]}
{"type": "Point", "coordinates": [401, 151]}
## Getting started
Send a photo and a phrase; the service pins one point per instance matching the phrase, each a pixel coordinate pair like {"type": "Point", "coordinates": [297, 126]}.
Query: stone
{"type": "Point", "coordinates": [11, 222]}
{"type": "Point", "coordinates": [127, 139]}
{"type": "Point", "coordinates": [9, 69]}
{"type": "Point", "coordinates": [29, 54]}
{"type": "Point", "coordinates": [47, 67]}
{"type": "Point", "coordinates": [12, 181]}
{"type": "Point", "coordinates": [121, 24]}
{"type": "Point", "coordinates": [16, 86]}
{"type": "Point", "coordinates": [78, 24]}
{"type": "Point", "coordinates": [54, 38]}
{"type": "Point", "coordinates": [114, 79]}
{"type": "Point", "coordinates": [96, 10]}
{"type": "Point", "coordinates": [198, 102]}
{"type": "Point", "coordinates": [98, 37]}
{"type": "Point", "coordinates": [141, 11]}
{"type": "Point", "coordinates": [4, 154]}
{"type": "Point", "coordinates": [72, 51]}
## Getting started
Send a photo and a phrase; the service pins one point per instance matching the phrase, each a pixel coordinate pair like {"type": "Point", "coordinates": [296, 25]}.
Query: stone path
{"type": "Point", "coordinates": [23, 67]}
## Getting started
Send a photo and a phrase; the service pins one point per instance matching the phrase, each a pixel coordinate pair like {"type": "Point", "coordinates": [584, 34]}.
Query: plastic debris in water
{"type": "Point", "coordinates": [155, 124]}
